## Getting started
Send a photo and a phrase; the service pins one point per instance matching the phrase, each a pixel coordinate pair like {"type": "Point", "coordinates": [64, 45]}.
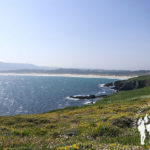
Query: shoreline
{"type": "Point", "coordinates": [69, 75]}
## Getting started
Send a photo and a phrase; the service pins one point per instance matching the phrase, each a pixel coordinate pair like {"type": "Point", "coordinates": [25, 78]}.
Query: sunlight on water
{"type": "Point", "coordinates": [28, 94]}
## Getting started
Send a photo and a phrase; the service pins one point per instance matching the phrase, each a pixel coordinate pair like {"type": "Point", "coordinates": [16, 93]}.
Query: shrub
{"type": "Point", "coordinates": [122, 122]}
{"type": "Point", "coordinates": [106, 131]}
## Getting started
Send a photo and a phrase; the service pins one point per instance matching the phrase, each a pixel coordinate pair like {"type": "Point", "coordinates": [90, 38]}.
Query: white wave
{"type": "Point", "coordinates": [18, 111]}
{"type": "Point", "coordinates": [101, 85]}
{"type": "Point", "coordinates": [20, 107]}
{"type": "Point", "coordinates": [70, 98]}
{"type": "Point", "coordinates": [81, 95]}
{"type": "Point", "coordinates": [113, 90]}
{"type": "Point", "coordinates": [99, 93]}
{"type": "Point", "coordinates": [89, 102]}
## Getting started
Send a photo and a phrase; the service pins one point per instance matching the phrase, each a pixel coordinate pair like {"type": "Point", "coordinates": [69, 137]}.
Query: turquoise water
{"type": "Point", "coordinates": [34, 94]}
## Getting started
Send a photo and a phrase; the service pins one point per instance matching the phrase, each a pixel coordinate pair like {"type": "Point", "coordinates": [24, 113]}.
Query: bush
{"type": "Point", "coordinates": [106, 131]}
{"type": "Point", "coordinates": [122, 122]}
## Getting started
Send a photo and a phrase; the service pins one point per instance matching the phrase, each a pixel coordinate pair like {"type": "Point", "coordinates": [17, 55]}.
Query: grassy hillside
{"type": "Point", "coordinates": [108, 124]}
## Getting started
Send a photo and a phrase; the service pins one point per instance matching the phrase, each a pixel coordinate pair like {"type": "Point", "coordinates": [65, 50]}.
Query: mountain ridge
{"type": "Point", "coordinates": [5, 66]}
{"type": "Point", "coordinates": [30, 68]}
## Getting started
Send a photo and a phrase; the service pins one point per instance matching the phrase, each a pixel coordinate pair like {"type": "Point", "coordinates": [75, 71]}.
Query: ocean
{"type": "Point", "coordinates": [39, 94]}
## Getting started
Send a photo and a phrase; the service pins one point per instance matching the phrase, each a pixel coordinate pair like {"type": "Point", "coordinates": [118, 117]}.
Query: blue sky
{"type": "Point", "coordinates": [104, 34]}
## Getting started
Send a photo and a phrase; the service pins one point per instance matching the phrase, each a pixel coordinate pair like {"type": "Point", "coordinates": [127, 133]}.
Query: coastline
{"type": "Point", "coordinates": [70, 75]}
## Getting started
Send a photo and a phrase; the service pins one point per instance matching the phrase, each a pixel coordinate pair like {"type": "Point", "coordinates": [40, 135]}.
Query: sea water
{"type": "Point", "coordinates": [38, 94]}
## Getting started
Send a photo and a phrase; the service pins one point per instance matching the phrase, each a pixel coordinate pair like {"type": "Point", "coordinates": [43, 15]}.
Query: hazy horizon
{"type": "Point", "coordinates": [59, 67]}
{"type": "Point", "coordinates": [84, 34]}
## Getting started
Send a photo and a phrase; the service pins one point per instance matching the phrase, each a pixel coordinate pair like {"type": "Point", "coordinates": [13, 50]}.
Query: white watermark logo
{"type": "Point", "coordinates": [142, 122]}
{"type": "Point", "coordinates": [143, 126]}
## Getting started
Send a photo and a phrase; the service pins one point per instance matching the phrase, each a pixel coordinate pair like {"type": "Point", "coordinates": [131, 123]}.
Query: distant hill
{"type": "Point", "coordinates": [76, 71]}
{"type": "Point", "coordinates": [30, 68]}
{"type": "Point", "coordinates": [20, 66]}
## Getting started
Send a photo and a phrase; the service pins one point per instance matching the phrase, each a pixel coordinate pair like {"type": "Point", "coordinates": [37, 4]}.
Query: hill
{"type": "Point", "coordinates": [109, 124]}
{"type": "Point", "coordinates": [20, 66]}
{"type": "Point", "coordinates": [29, 68]}
{"type": "Point", "coordinates": [16, 66]}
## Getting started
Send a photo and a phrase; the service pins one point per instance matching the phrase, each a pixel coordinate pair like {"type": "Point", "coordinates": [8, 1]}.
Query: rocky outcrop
{"type": "Point", "coordinates": [134, 83]}
{"type": "Point", "coordinates": [129, 85]}
{"type": "Point", "coordinates": [109, 84]}
{"type": "Point", "coordinates": [88, 96]}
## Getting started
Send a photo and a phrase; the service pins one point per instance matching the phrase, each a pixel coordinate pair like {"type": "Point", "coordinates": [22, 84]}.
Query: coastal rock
{"type": "Point", "coordinates": [130, 85]}
{"type": "Point", "coordinates": [109, 84]}
{"type": "Point", "coordinates": [88, 96]}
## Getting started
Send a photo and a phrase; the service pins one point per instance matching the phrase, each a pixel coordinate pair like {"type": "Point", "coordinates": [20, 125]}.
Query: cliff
{"type": "Point", "coordinates": [134, 83]}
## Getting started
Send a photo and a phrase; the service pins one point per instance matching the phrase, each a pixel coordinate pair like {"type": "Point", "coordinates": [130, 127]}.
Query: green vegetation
{"type": "Point", "coordinates": [134, 83]}
{"type": "Point", "coordinates": [108, 124]}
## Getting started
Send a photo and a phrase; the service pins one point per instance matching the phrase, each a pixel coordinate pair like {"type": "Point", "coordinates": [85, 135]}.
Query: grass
{"type": "Point", "coordinates": [124, 96]}
{"type": "Point", "coordinates": [108, 124]}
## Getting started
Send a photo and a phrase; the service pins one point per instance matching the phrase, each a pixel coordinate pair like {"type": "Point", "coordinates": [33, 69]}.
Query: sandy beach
{"type": "Point", "coordinates": [69, 75]}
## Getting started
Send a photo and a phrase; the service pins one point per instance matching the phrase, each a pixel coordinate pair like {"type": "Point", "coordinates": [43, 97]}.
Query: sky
{"type": "Point", "coordinates": [95, 34]}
